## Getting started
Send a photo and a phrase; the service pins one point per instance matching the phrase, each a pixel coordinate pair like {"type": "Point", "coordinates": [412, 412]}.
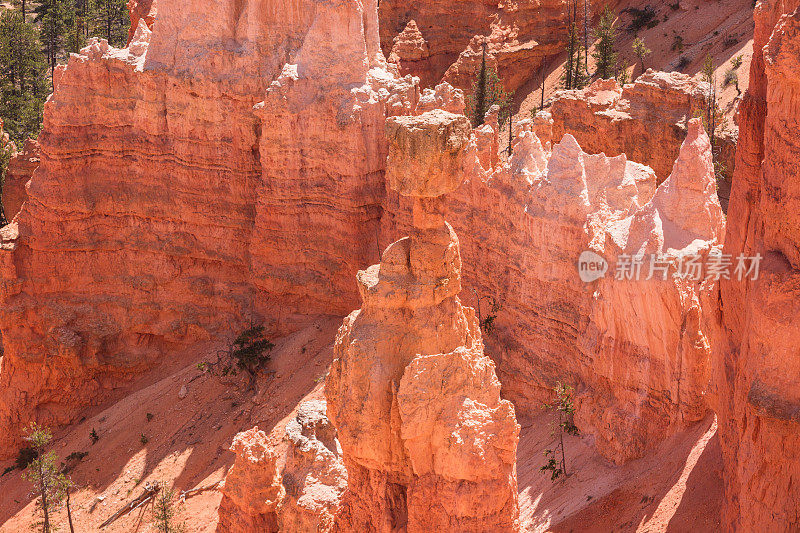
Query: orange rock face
{"type": "Point", "coordinates": [141, 10]}
{"type": "Point", "coordinates": [756, 375]}
{"type": "Point", "coordinates": [264, 494]}
{"type": "Point", "coordinates": [252, 491]}
{"type": "Point", "coordinates": [646, 339]}
{"type": "Point", "coordinates": [426, 439]}
{"type": "Point", "coordinates": [20, 170]}
{"type": "Point", "coordinates": [520, 36]}
{"type": "Point", "coordinates": [605, 117]}
{"type": "Point", "coordinates": [247, 182]}
{"type": "Point", "coordinates": [202, 197]}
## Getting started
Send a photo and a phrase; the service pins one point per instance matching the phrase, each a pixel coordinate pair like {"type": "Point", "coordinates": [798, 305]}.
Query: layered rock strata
{"type": "Point", "coordinates": [646, 120]}
{"type": "Point", "coordinates": [755, 387]}
{"type": "Point", "coordinates": [273, 149]}
{"type": "Point", "coordinates": [19, 172]}
{"type": "Point", "coordinates": [426, 439]}
{"type": "Point", "coordinates": [231, 181]}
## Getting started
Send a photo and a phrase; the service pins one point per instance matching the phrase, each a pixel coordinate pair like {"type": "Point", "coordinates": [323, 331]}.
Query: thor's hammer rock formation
{"type": "Point", "coordinates": [427, 441]}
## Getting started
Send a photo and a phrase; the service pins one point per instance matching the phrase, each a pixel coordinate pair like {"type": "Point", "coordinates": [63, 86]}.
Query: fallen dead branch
{"type": "Point", "coordinates": [199, 490]}
{"type": "Point", "coordinates": [150, 490]}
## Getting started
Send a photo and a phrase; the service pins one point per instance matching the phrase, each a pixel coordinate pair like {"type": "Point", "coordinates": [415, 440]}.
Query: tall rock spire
{"type": "Point", "coordinates": [426, 439]}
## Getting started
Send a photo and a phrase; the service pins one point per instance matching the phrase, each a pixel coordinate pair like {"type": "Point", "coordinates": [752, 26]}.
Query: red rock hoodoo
{"type": "Point", "coordinates": [302, 493]}
{"type": "Point", "coordinates": [427, 441]}
{"type": "Point", "coordinates": [246, 171]}
{"type": "Point", "coordinates": [520, 36]}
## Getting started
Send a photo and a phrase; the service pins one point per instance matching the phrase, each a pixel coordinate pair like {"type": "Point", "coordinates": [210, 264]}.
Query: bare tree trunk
{"type": "Point", "coordinates": [561, 439]}
{"type": "Point", "coordinates": [510, 133]}
{"type": "Point", "coordinates": [69, 514]}
{"type": "Point", "coordinates": [378, 239]}
{"type": "Point", "coordinates": [543, 79]}
{"type": "Point", "coordinates": [586, 35]}
{"type": "Point", "coordinates": [43, 490]}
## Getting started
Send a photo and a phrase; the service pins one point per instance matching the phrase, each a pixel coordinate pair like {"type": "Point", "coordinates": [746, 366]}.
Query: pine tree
{"type": "Point", "coordinates": [478, 109]}
{"type": "Point", "coordinates": [574, 69]}
{"type": "Point", "coordinates": [23, 77]}
{"type": "Point", "coordinates": [606, 36]}
{"type": "Point", "coordinates": [641, 50]}
{"type": "Point", "coordinates": [55, 19]}
{"type": "Point", "coordinates": [580, 77]}
{"type": "Point", "coordinates": [80, 29]}
{"type": "Point", "coordinates": [569, 66]}
{"type": "Point", "coordinates": [111, 21]}
{"type": "Point", "coordinates": [164, 512]}
{"type": "Point", "coordinates": [622, 73]}
{"type": "Point", "coordinates": [712, 111]}
{"type": "Point", "coordinates": [6, 151]}
{"type": "Point", "coordinates": [22, 4]}
{"type": "Point", "coordinates": [542, 90]}
{"type": "Point", "coordinates": [49, 483]}
{"type": "Point", "coordinates": [487, 90]}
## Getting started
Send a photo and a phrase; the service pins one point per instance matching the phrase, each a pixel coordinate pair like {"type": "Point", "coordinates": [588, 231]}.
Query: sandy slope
{"type": "Point", "coordinates": [678, 488]}
{"type": "Point", "coordinates": [188, 439]}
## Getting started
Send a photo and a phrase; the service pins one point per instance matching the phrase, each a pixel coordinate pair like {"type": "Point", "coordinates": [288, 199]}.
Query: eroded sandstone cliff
{"type": "Point", "coordinates": [20, 170]}
{"type": "Point", "coordinates": [206, 176]}
{"type": "Point", "coordinates": [646, 120]}
{"type": "Point", "coordinates": [244, 183]}
{"type": "Point", "coordinates": [638, 353]}
{"type": "Point", "coordinates": [755, 390]}
{"type": "Point", "coordinates": [520, 36]}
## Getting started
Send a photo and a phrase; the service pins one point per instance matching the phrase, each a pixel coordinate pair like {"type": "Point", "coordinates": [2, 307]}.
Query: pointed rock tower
{"type": "Point", "coordinates": [427, 441]}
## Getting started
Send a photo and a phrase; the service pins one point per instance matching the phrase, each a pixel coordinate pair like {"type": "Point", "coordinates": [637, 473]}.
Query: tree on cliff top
{"type": "Point", "coordinates": [575, 73]}
{"type": "Point", "coordinates": [641, 50]}
{"type": "Point", "coordinates": [487, 90]}
{"type": "Point", "coordinates": [605, 53]}
{"type": "Point", "coordinates": [55, 19]}
{"type": "Point", "coordinates": [23, 77]}
{"type": "Point", "coordinates": [50, 484]}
